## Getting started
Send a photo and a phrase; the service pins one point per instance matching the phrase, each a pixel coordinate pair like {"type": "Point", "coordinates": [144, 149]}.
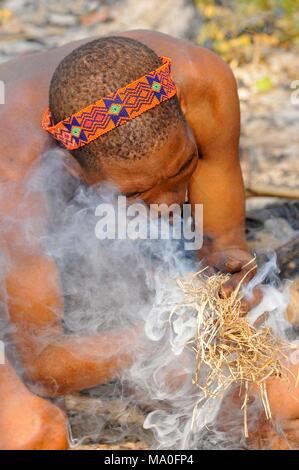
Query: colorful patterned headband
{"type": "Point", "coordinates": [114, 110]}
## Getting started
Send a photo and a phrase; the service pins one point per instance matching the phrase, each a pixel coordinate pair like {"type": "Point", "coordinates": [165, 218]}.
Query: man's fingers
{"type": "Point", "coordinates": [247, 303]}
{"type": "Point", "coordinates": [242, 277]}
{"type": "Point", "coordinates": [242, 270]}
{"type": "Point", "coordinates": [261, 319]}
{"type": "Point", "coordinates": [251, 301]}
{"type": "Point", "coordinates": [210, 268]}
{"type": "Point", "coordinates": [232, 265]}
{"type": "Point", "coordinates": [211, 271]}
{"type": "Point", "coordinates": [223, 263]}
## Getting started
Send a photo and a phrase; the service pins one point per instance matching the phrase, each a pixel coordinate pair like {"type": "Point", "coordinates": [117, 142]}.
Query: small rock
{"type": "Point", "coordinates": [244, 94]}
{"type": "Point", "coordinates": [96, 17]}
{"type": "Point", "coordinates": [21, 47]}
{"type": "Point", "coordinates": [62, 20]}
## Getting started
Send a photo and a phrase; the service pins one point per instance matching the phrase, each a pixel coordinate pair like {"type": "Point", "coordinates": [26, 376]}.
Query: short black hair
{"type": "Point", "coordinates": [101, 67]}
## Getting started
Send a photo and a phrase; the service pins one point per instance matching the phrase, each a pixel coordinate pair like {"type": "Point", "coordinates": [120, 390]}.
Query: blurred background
{"type": "Point", "coordinates": [260, 41]}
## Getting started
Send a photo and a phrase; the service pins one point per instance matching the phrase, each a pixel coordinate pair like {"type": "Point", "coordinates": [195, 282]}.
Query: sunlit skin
{"type": "Point", "coordinates": [28, 422]}
{"type": "Point", "coordinates": [200, 158]}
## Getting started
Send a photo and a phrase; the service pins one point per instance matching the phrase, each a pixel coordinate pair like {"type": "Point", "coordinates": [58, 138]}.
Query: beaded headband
{"type": "Point", "coordinates": [114, 110]}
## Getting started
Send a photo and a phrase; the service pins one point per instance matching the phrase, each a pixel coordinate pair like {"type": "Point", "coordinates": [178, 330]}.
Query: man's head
{"type": "Point", "coordinates": [140, 156]}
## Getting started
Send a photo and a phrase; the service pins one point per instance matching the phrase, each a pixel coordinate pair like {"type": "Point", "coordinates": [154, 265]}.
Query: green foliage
{"type": "Point", "coordinates": [264, 84]}
{"type": "Point", "coordinates": [242, 30]}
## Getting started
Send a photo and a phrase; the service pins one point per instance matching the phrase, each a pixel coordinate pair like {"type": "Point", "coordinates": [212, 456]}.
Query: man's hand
{"type": "Point", "coordinates": [241, 264]}
{"type": "Point", "coordinates": [281, 432]}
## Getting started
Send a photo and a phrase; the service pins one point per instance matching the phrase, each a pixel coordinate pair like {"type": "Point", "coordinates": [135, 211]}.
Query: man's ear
{"type": "Point", "coordinates": [72, 166]}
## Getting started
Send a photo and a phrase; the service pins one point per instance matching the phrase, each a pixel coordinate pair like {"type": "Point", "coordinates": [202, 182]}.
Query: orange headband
{"type": "Point", "coordinates": [114, 110]}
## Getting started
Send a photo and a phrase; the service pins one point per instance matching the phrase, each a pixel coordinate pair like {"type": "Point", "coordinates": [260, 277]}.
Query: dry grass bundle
{"type": "Point", "coordinates": [228, 349]}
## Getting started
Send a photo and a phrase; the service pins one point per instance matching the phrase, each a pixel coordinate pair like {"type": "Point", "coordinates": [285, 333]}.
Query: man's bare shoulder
{"type": "Point", "coordinates": [207, 92]}
{"type": "Point", "coordinates": [22, 140]}
{"type": "Point", "coordinates": [205, 79]}
{"type": "Point", "coordinates": [199, 73]}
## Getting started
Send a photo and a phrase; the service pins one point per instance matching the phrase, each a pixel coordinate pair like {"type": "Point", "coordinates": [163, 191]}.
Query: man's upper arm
{"type": "Point", "coordinates": [214, 116]}
{"type": "Point", "coordinates": [30, 278]}
{"type": "Point", "coordinates": [212, 106]}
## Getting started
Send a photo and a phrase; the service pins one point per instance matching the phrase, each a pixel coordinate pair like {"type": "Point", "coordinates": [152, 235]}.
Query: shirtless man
{"type": "Point", "coordinates": [187, 142]}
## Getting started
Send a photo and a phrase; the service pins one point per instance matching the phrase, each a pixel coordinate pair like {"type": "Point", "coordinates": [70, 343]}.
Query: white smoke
{"type": "Point", "coordinates": [113, 284]}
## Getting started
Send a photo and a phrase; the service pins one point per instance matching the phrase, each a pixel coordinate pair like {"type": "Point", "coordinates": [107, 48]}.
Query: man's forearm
{"type": "Point", "coordinates": [56, 362]}
{"type": "Point", "coordinates": [221, 191]}
{"type": "Point", "coordinates": [71, 363]}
